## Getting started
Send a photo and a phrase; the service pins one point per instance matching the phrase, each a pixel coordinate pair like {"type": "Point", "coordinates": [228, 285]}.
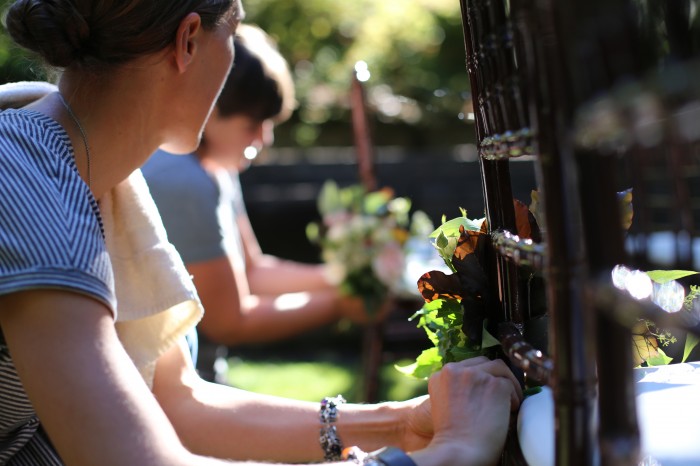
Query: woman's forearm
{"type": "Point", "coordinates": [264, 318]}
{"type": "Point", "coordinates": [287, 276]}
{"type": "Point", "coordinates": [226, 422]}
{"type": "Point", "coordinates": [263, 428]}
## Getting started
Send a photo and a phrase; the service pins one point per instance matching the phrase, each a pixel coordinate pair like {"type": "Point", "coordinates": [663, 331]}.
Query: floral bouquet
{"type": "Point", "coordinates": [362, 237]}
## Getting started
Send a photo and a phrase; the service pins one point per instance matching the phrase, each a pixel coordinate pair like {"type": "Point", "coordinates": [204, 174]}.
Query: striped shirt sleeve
{"type": "Point", "coordinates": [50, 230]}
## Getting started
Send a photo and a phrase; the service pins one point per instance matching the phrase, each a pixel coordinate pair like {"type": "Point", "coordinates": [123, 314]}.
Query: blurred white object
{"type": "Point", "coordinates": [668, 411]}
{"type": "Point", "coordinates": [669, 296]}
{"type": "Point", "coordinates": [421, 257]}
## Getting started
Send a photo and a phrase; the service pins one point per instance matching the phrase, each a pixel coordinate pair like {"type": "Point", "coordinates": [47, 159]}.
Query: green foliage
{"type": "Point", "coordinates": [414, 52]}
{"type": "Point", "coordinates": [311, 380]}
{"type": "Point", "coordinates": [654, 355]}
{"type": "Point", "coordinates": [691, 341]}
{"type": "Point", "coordinates": [692, 295]}
{"type": "Point", "coordinates": [442, 320]}
{"type": "Point", "coordinates": [15, 63]}
{"type": "Point", "coordinates": [451, 227]}
{"type": "Point", "coordinates": [303, 380]}
{"type": "Point", "coordinates": [443, 317]}
{"type": "Point", "coordinates": [665, 276]}
{"type": "Point", "coordinates": [658, 359]}
{"type": "Point", "coordinates": [447, 234]}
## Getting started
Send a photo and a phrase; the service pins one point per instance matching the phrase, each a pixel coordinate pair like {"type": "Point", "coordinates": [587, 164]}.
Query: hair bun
{"type": "Point", "coordinates": [53, 29]}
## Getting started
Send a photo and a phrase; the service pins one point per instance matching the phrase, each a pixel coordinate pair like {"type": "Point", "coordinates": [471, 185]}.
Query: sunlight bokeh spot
{"type": "Point", "coordinates": [362, 71]}
{"type": "Point", "coordinates": [669, 296]}
{"type": "Point", "coordinates": [250, 152]}
{"type": "Point", "coordinates": [620, 273]}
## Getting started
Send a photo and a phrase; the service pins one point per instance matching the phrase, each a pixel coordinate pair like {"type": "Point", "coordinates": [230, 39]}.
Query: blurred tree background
{"type": "Point", "coordinates": [414, 51]}
{"type": "Point", "coordinates": [15, 63]}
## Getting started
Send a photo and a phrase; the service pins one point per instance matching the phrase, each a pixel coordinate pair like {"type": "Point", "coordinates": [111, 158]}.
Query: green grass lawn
{"type": "Point", "coordinates": [312, 380]}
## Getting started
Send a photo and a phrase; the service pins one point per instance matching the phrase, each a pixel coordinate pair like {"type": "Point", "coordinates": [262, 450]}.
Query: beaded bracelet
{"type": "Point", "coordinates": [330, 441]}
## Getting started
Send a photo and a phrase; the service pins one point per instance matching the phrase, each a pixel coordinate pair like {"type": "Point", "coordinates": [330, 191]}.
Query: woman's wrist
{"type": "Point", "coordinates": [416, 430]}
{"type": "Point", "coordinates": [371, 426]}
{"type": "Point", "coordinates": [441, 455]}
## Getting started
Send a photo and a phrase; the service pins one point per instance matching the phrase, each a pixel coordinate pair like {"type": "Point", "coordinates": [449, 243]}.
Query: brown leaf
{"type": "Point", "coordinates": [469, 280]}
{"type": "Point", "coordinates": [467, 243]}
{"type": "Point", "coordinates": [437, 285]}
{"type": "Point", "coordinates": [525, 222]}
{"type": "Point", "coordinates": [643, 348]}
{"type": "Point", "coordinates": [644, 344]}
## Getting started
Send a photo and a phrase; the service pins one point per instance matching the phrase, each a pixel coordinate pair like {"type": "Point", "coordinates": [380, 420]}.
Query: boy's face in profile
{"type": "Point", "coordinates": [235, 140]}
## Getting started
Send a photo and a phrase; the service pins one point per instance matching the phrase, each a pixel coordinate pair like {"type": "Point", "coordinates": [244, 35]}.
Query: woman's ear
{"type": "Point", "coordinates": [186, 40]}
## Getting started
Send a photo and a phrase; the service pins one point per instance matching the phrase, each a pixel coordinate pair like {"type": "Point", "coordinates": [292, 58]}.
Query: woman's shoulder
{"type": "Point", "coordinates": [30, 140]}
{"type": "Point", "coordinates": [32, 124]}
{"type": "Point", "coordinates": [50, 232]}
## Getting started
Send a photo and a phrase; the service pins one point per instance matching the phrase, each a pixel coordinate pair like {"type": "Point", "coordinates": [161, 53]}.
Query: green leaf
{"type": "Point", "coordinates": [421, 224]}
{"type": "Point", "coordinates": [460, 354]}
{"type": "Point", "coordinates": [488, 340]}
{"type": "Point", "coordinates": [400, 205]}
{"type": "Point", "coordinates": [376, 202]}
{"type": "Point", "coordinates": [692, 295]}
{"type": "Point", "coordinates": [329, 198]}
{"type": "Point", "coordinates": [451, 227]}
{"type": "Point", "coordinates": [427, 363]}
{"type": "Point", "coordinates": [313, 232]}
{"type": "Point", "coordinates": [665, 276]}
{"type": "Point", "coordinates": [691, 341]}
{"type": "Point", "coordinates": [660, 359]}
{"type": "Point", "coordinates": [532, 391]}
{"type": "Point", "coordinates": [441, 241]}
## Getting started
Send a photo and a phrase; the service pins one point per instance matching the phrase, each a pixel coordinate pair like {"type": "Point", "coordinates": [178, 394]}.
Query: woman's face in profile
{"type": "Point", "coordinates": [201, 84]}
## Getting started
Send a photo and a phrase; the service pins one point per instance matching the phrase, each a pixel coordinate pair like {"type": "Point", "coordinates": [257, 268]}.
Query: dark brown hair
{"type": "Point", "coordinates": [260, 83]}
{"type": "Point", "coordinates": [99, 33]}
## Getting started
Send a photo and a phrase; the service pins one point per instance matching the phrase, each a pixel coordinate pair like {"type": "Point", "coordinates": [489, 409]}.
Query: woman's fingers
{"type": "Point", "coordinates": [496, 368]}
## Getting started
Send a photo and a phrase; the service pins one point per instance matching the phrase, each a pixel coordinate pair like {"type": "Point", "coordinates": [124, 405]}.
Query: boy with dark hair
{"type": "Point", "coordinates": [248, 296]}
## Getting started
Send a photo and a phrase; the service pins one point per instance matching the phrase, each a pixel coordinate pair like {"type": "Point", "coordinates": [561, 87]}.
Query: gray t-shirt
{"type": "Point", "coordinates": [198, 209]}
{"type": "Point", "coordinates": [199, 212]}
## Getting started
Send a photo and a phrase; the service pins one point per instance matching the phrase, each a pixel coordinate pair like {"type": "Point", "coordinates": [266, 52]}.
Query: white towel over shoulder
{"type": "Point", "coordinates": [156, 300]}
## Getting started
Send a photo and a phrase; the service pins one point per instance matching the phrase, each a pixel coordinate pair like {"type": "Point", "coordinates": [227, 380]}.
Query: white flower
{"type": "Point", "coordinates": [334, 273]}
{"type": "Point", "coordinates": [337, 233]}
{"type": "Point", "coordinates": [336, 218]}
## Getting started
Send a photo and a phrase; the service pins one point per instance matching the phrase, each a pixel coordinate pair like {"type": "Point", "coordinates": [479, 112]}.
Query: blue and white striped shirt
{"type": "Point", "coordinates": [50, 237]}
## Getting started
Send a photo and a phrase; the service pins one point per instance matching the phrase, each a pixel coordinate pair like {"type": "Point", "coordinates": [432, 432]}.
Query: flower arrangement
{"type": "Point", "coordinates": [453, 316]}
{"type": "Point", "coordinates": [362, 236]}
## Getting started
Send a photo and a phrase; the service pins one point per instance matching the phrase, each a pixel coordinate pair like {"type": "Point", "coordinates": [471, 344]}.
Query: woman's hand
{"type": "Point", "coordinates": [468, 411]}
{"type": "Point", "coordinates": [353, 308]}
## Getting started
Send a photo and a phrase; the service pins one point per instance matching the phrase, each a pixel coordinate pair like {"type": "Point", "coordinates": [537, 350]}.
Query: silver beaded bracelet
{"type": "Point", "coordinates": [330, 441]}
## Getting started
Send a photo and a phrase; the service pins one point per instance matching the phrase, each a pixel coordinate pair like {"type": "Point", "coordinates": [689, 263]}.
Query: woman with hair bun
{"type": "Point", "coordinates": [95, 303]}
